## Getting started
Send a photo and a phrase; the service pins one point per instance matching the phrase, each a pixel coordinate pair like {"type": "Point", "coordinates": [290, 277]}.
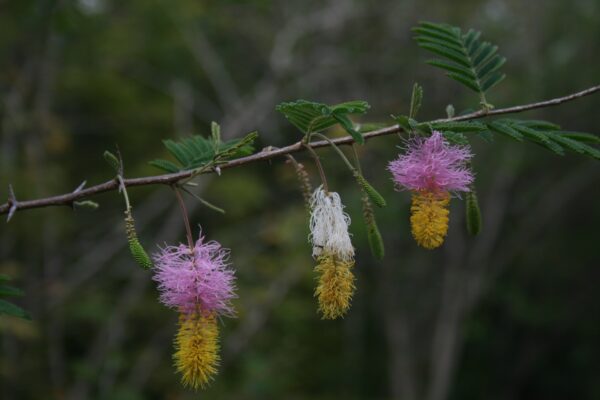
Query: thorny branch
{"type": "Point", "coordinates": [168, 179]}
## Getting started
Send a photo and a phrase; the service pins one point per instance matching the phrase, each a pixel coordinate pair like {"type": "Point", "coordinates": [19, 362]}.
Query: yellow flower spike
{"type": "Point", "coordinates": [197, 349]}
{"type": "Point", "coordinates": [429, 218]}
{"type": "Point", "coordinates": [335, 286]}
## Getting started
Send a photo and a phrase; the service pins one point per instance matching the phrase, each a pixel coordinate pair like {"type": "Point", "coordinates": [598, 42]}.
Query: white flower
{"type": "Point", "coordinates": [329, 226]}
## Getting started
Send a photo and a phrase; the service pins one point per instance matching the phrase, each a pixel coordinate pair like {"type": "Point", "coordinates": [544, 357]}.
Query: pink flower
{"type": "Point", "coordinates": [199, 281]}
{"type": "Point", "coordinates": [432, 164]}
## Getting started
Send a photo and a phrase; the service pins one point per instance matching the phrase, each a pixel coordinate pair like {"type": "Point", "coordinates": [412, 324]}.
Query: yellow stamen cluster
{"type": "Point", "coordinates": [197, 349]}
{"type": "Point", "coordinates": [429, 218]}
{"type": "Point", "coordinates": [336, 286]}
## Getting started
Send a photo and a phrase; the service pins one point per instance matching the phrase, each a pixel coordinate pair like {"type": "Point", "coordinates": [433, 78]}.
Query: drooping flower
{"type": "Point", "coordinates": [334, 252]}
{"type": "Point", "coordinates": [432, 164]}
{"type": "Point", "coordinates": [335, 286]}
{"type": "Point", "coordinates": [431, 168]}
{"type": "Point", "coordinates": [199, 280]}
{"type": "Point", "coordinates": [329, 226]}
{"type": "Point", "coordinates": [429, 218]}
{"type": "Point", "coordinates": [197, 349]}
{"type": "Point", "coordinates": [199, 283]}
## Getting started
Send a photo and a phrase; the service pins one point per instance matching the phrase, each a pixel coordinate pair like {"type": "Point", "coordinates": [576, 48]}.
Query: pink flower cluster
{"type": "Point", "coordinates": [432, 164]}
{"type": "Point", "coordinates": [201, 280]}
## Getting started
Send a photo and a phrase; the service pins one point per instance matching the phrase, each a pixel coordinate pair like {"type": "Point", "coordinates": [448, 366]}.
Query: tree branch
{"type": "Point", "coordinates": [167, 179]}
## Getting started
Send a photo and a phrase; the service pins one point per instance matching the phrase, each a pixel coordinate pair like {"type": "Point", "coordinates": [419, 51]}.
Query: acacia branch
{"type": "Point", "coordinates": [268, 153]}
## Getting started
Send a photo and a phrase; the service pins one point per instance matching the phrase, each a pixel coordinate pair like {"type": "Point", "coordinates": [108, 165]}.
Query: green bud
{"type": "Point", "coordinates": [373, 235]}
{"type": "Point", "coordinates": [112, 160]}
{"type": "Point", "coordinates": [373, 194]}
{"type": "Point", "coordinates": [139, 254]}
{"type": "Point", "coordinates": [473, 213]}
{"type": "Point", "coordinates": [135, 247]}
{"type": "Point", "coordinates": [375, 241]}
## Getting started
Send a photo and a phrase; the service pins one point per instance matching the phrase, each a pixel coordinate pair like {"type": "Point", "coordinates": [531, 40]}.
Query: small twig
{"type": "Point", "coordinates": [340, 152]}
{"type": "Point", "coordinates": [204, 202]}
{"type": "Point", "coordinates": [170, 179]}
{"type": "Point", "coordinates": [123, 189]}
{"type": "Point", "coordinates": [525, 107]}
{"type": "Point", "coordinates": [186, 219]}
{"type": "Point", "coordinates": [315, 157]}
{"type": "Point", "coordinates": [356, 159]}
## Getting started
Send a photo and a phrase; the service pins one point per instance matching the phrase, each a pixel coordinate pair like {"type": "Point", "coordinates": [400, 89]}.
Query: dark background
{"type": "Point", "coordinates": [510, 314]}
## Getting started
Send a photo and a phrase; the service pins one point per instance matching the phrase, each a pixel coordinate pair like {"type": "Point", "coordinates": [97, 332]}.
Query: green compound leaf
{"type": "Point", "coordinates": [505, 129]}
{"type": "Point", "coordinates": [416, 99]}
{"type": "Point", "coordinates": [237, 148]}
{"type": "Point", "coordinates": [7, 307]}
{"type": "Point", "coordinates": [460, 126]}
{"type": "Point", "coordinates": [6, 290]}
{"type": "Point", "coordinates": [407, 123]}
{"type": "Point", "coordinates": [455, 138]}
{"type": "Point", "coordinates": [539, 137]}
{"type": "Point", "coordinates": [467, 60]}
{"type": "Point", "coordinates": [13, 310]}
{"type": "Point", "coordinates": [581, 137]}
{"type": "Point", "coordinates": [310, 116]}
{"type": "Point", "coordinates": [196, 151]}
{"type": "Point", "coordinates": [543, 133]}
{"type": "Point", "coordinates": [547, 135]}
{"type": "Point", "coordinates": [165, 165]}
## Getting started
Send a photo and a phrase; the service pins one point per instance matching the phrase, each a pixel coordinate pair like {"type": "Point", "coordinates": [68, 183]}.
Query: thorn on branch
{"type": "Point", "coordinates": [12, 201]}
{"type": "Point", "coordinates": [80, 187]}
{"type": "Point", "coordinates": [267, 150]}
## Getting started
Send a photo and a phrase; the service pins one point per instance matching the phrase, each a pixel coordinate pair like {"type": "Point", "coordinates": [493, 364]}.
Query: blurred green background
{"type": "Point", "coordinates": [511, 314]}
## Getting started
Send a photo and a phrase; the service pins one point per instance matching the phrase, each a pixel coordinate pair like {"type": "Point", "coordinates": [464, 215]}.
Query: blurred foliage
{"type": "Point", "coordinates": [508, 314]}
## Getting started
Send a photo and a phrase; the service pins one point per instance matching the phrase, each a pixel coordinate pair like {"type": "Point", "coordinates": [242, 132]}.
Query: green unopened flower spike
{"type": "Point", "coordinates": [373, 194]}
{"type": "Point", "coordinates": [472, 212]}
{"type": "Point", "coordinates": [373, 235]}
{"type": "Point", "coordinates": [135, 247]}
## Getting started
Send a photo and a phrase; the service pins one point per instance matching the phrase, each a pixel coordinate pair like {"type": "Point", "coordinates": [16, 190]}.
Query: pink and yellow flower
{"type": "Point", "coordinates": [199, 283]}
{"type": "Point", "coordinates": [431, 169]}
{"type": "Point", "coordinates": [195, 280]}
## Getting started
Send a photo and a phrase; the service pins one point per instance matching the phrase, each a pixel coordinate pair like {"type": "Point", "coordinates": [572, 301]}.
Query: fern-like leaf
{"type": "Point", "coordinates": [543, 133]}
{"type": "Point", "coordinates": [467, 60]}
{"type": "Point", "coordinates": [309, 116]}
{"type": "Point", "coordinates": [197, 151]}
{"type": "Point", "coordinates": [7, 307]}
{"type": "Point", "coordinates": [548, 135]}
{"type": "Point", "coordinates": [459, 126]}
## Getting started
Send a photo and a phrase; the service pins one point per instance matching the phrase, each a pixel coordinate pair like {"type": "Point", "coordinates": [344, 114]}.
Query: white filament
{"type": "Point", "coordinates": [329, 226]}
